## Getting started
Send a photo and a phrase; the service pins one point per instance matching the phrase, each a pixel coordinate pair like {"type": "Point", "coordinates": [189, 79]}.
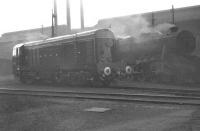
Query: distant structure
{"type": "Point", "coordinates": [54, 21]}
{"type": "Point", "coordinates": [153, 20]}
{"type": "Point", "coordinates": [173, 20]}
{"type": "Point", "coordinates": [82, 15]}
{"type": "Point", "coordinates": [186, 18]}
{"type": "Point", "coordinates": [68, 17]}
{"type": "Point", "coordinates": [55, 14]}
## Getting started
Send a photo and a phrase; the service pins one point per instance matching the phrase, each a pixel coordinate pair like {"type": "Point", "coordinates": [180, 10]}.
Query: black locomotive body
{"type": "Point", "coordinates": [80, 57]}
{"type": "Point", "coordinates": [97, 55]}
{"type": "Point", "coordinates": [146, 57]}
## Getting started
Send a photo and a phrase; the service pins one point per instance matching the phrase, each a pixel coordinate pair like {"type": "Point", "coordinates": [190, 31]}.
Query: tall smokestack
{"type": "Point", "coordinates": [52, 25]}
{"type": "Point", "coordinates": [153, 19]}
{"type": "Point", "coordinates": [68, 17]}
{"type": "Point", "coordinates": [82, 14]}
{"type": "Point", "coordinates": [173, 21]}
{"type": "Point", "coordinates": [55, 16]}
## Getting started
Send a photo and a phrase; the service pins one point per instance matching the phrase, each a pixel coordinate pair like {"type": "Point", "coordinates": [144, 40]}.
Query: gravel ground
{"type": "Point", "coordinates": [20, 113]}
{"type": "Point", "coordinates": [23, 113]}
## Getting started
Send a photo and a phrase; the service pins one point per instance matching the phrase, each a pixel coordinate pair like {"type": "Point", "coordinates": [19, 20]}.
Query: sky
{"type": "Point", "coordinates": [27, 14]}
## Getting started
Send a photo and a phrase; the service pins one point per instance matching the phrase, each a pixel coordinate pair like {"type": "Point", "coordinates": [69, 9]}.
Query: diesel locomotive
{"type": "Point", "coordinates": [79, 58]}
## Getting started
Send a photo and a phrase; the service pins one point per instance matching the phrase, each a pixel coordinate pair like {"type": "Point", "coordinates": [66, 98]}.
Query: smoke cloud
{"type": "Point", "coordinates": [130, 26]}
{"type": "Point", "coordinates": [35, 36]}
{"type": "Point", "coordinates": [138, 27]}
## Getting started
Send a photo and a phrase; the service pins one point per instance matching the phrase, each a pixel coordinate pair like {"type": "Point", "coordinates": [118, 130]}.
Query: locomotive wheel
{"type": "Point", "coordinates": [27, 80]}
{"type": "Point", "coordinates": [106, 81]}
{"type": "Point", "coordinates": [57, 79]}
{"type": "Point", "coordinates": [166, 78]}
{"type": "Point", "coordinates": [141, 78]}
{"type": "Point", "coordinates": [99, 81]}
{"type": "Point", "coordinates": [96, 82]}
{"type": "Point", "coordinates": [153, 79]}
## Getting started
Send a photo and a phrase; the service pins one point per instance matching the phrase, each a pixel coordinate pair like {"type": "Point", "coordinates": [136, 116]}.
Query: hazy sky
{"type": "Point", "coordinates": [26, 14]}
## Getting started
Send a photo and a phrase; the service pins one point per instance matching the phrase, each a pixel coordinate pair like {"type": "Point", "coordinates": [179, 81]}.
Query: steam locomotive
{"type": "Point", "coordinates": [146, 57]}
{"type": "Point", "coordinates": [79, 58]}
{"type": "Point", "coordinates": [96, 56]}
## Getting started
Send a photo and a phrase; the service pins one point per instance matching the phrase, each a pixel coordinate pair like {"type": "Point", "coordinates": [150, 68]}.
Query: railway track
{"type": "Point", "coordinates": [117, 96]}
{"type": "Point", "coordinates": [165, 91]}
{"type": "Point", "coordinates": [175, 91]}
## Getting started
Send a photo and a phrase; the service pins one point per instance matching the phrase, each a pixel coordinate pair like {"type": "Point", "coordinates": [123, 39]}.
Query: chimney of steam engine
{"type": "Point", "coordinates": [82, 15]}
{"type": "Point", "coordinates": [68, 17]}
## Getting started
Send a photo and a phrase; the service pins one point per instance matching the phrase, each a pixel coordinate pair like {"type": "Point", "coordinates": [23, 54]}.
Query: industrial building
{"type": "Point", "coordinates": [185, 18]}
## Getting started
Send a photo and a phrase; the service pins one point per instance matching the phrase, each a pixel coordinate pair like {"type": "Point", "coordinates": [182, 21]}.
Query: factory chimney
{"type": "Point", "coordinates": [54, 21]}
{"type": "Point", "coordinates": [153, 19]}
{"type": "Point", "coordinates": [55, 16]}
{"type": "Point", "coordinates": [82, 15]}
{"type": "Point", "coordinates": [68, 17]}
{"type": "Point", "coordinates": [52, 25]}
{"type": "Point", "coordinates": [173, 21]}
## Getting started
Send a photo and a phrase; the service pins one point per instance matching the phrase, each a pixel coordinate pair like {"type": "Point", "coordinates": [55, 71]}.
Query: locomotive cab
{"type": "Point", "coordinates": [17, 59]}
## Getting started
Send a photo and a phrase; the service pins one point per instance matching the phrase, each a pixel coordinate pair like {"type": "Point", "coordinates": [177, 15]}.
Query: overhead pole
{"type": "Point", "coordinates": [82, 15]}
{"type": "Point", "coordinates": [68, 17]}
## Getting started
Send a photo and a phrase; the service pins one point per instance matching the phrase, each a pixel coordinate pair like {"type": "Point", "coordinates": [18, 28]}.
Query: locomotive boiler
{"type": "Point", "coordinates": [145, 56]}
{"type": "Point", "coordinates": [78, 58]}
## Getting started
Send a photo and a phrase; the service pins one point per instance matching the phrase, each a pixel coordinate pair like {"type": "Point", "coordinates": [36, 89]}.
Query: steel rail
{"type": "Point", "coordinates": [126, 97]}
{"type": "Point", "coordinates": [175, 91]}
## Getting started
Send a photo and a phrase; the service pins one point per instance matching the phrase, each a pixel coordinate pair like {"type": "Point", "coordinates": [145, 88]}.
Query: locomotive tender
{"type": "Point", "coordinates": [77, 58]}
